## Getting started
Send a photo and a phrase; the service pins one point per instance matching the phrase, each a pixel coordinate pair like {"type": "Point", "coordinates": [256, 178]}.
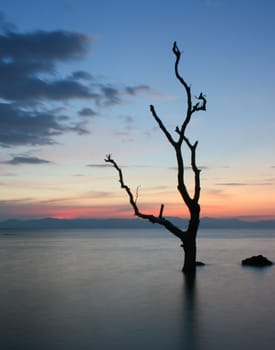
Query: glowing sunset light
{"type": "Point", "coordinates": [81, 88]}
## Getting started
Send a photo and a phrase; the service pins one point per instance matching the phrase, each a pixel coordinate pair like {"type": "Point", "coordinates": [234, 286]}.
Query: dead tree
{"type": "Point", "coordinates": [188, 236]}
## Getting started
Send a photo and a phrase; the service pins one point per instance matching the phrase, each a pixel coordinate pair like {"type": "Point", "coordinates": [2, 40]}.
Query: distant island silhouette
{"type": "Point", "coordinates": [131, 223]}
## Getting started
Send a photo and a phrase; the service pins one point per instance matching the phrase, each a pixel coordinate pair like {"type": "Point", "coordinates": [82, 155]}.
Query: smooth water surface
{"type": "Point", "coordinates": [105, 289]}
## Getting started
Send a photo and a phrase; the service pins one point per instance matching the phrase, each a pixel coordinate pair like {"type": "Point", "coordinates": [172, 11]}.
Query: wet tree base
{"type": "Point", "coordinates": [198, 263]}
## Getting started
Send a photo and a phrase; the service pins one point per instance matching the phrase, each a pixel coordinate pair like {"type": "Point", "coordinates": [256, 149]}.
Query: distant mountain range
{"type": "Point", "coordinates": [206, 223]}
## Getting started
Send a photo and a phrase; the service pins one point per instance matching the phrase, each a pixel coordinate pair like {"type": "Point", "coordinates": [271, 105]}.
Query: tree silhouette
{"type": "Point", "coordinates": [188, 236]}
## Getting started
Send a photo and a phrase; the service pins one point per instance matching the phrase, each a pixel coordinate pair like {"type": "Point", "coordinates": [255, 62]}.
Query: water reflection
{"type": "Point", "coordinates": [190, 312]}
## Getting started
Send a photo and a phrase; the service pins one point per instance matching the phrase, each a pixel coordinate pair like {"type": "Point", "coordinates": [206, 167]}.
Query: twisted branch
{"type": "Point", "coordinates": [152, 218]}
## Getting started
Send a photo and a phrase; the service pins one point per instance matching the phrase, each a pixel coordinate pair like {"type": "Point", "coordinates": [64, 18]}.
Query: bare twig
{"type": "Point", "coordinates": [161, 210]}
{"type": "Point", "coordinates": [137, 193]}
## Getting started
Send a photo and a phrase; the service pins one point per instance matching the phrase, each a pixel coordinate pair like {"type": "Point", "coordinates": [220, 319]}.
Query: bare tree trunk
{"type": "Point", "coordinates": [190, 253]}
{"type": "Point", "coordinates": [188, 237]}
{"type": "Point", "coordinates": [189, 243]}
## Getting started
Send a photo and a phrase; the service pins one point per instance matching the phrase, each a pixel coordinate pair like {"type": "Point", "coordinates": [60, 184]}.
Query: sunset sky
{"type": "Point", "coordinates": [77, 79]}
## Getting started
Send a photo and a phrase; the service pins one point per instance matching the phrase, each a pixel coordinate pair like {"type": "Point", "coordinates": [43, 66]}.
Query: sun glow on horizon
{"type": "Point", "coordinates": [124, 210]}
{"type": "Point", "coordinates": [65, 103]}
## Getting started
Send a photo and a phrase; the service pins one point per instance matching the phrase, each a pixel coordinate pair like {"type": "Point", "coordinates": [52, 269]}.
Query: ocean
{"type": "Point", "coordinates": [123, 289]}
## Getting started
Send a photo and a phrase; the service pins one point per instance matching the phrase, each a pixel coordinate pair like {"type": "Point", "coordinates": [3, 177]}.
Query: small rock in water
{"type": "Point", "coordinates": [200, 263]}
{"type": "Point", "coordinates": [258, 260]}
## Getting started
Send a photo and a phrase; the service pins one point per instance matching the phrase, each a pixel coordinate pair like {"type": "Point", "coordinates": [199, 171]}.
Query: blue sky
{"type": "Point", "coordinates": [77, 81]}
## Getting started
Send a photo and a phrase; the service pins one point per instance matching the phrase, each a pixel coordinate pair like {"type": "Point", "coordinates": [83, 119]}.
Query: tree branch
{"type": "Point", "coordinates": [161, 125]}
{"type": "Point", "coordinates": [195, 169]}
{"type": "Point", "coordinates": [152, 218]}
{"type": "Point", "coordinates": [201, 105]}
{"type": "Point", "coordinates": [161, 211]}
{"type": "Point", "coordinates": [177, 53]}
{"type": "Point", "coordinates": [187, 88]}
{"type": "Point", "coordinates": [181, 185]}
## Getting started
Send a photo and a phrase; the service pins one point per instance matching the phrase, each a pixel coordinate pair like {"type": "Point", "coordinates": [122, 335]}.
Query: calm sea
{"type": "Point", "coordinates": [123, 289]}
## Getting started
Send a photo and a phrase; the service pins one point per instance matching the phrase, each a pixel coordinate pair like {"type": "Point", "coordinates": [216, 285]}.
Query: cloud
{"type": "Point", "coordinates": [81, 75]}
{"type": "Point", "coordinates": [128, 119]}
{"type": "Point", "coordinates": [232, 184]}
{"type": "Point", "coordinates": [79, 128]}
{"type": "Point", "coordinates": [33, 94]}
{"type": "Point", "coordinates": [110, 96]}
{"type": "Point", "coordinates": [87, 112]}
{"type": "Point", "coordinates": [28, 91]}
{"type": "Point", "coordinates": [29, 82]}
{"type": "Point", "coordinates": [22, 127]}
{"type": "Point", "coordinates": [17, 160]}
{"type": "Point", "coordinates": [43, 46]}
{"type": "Point", "coordinates": [100, 194]}
{"type": "Point", "coordinates": [134, 90]}
{"type": "Point", "coordinates": [267, 183]}
{"type": "Point", "coordinates": [216, 192]}
{"type": "Point", "coordinates": [100, 165]}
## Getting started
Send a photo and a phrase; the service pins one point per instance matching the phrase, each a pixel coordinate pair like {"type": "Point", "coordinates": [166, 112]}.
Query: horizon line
{"type": "Point", "coordinates": [260, 218]}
